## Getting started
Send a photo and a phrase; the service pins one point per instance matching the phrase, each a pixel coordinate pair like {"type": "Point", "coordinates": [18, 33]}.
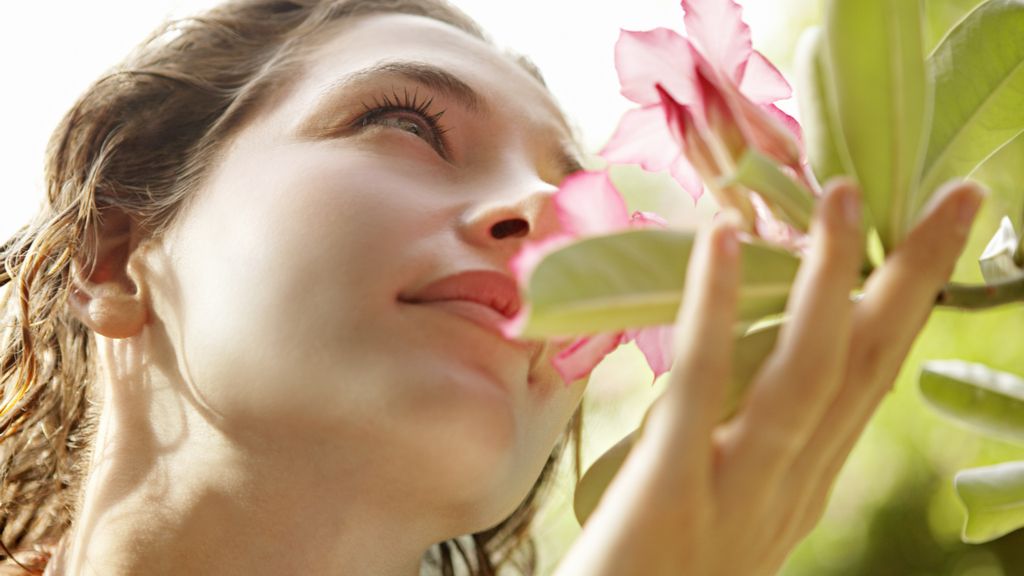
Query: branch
{"type": "Point", "coordinates": [981, 296]}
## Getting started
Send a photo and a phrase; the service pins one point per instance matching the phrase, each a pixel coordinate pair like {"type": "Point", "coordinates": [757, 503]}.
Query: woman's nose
{"type": "Point", "coordinates": [509, 220]}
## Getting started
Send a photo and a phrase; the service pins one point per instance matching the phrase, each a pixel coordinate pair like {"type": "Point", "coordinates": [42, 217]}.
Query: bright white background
{"type": "Point", "coordinates": [51, 51]}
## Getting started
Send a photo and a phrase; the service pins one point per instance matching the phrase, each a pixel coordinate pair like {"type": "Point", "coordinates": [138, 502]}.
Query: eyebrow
{"type": "Point", "coordinates": [442, 82]}
{"type": "Point", "coordinates": [436, 79]}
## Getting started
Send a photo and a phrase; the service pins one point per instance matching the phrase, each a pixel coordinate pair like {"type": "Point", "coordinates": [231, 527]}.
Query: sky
{"type": "Point", "coordinates": [51, 51]}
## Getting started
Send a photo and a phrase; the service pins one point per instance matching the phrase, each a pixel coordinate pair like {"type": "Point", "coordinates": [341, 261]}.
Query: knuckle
{"type": "Point", "coordinates": [803, 365]}
{"type": "Point", "coordinates": [775, 437]}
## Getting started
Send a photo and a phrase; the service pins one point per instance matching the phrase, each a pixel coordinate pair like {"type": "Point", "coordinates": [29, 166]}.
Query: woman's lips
{"type": "Point", "coordinates": [487, 297]}
{"type": "Point", "coordinates": [488, 319]}
{"type": "Point", "coordinates": [480, 314]}
{"type": "Point", "coordinates": [483, 316]}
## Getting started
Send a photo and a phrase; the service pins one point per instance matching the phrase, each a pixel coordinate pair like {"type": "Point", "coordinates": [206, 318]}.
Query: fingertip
{"type": "Point", "coordinates": [725, 233]}
{"type": "Point", "coordinates": [958, 201]}
{"type": "Point", "coordinates": [714, 271]}
{"type": "Point", "coordinates": [934, 244]}
{"type": "Point", "coordinates": [969, 196]}
{"type": "Point", "coordinates": [844, 195]}
{"type": "Point", "coordinates": [958, 186]}
{"type": "Point", "coordinates": [841, 182]}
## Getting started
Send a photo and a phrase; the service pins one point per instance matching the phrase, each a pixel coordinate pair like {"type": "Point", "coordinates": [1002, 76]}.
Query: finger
{"type": "Point", "coordinates": [897, 302]}
{"type": "Point", "coordinates": [900, 296]}
{"type": "Point", "coordinates": [801, 376]}
{"type": "Point", "coordinates": [703, 343]}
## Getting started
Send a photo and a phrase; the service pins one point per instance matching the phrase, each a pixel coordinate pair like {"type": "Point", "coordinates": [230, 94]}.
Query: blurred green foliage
{"type": "Point", "coordinates": [893, 509]}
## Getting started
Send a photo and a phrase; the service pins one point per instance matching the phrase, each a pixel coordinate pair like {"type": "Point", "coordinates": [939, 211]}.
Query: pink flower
{"type": "Point", "coordinates": [588, 204]}
{"type": "Point", "coordinates": [716, 146]}
{"type": "Point", "coordinates": [705, 99]}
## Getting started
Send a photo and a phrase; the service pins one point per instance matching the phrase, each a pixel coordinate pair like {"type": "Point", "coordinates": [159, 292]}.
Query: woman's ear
{"type": "Point", "coordinates": [108, 295]}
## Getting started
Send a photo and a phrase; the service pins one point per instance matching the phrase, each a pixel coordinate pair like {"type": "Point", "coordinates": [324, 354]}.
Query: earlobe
{"type": "Point", "coordinates": [108, 310]}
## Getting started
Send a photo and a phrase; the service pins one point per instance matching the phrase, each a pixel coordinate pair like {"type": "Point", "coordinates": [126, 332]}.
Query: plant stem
{"type": "Point", "coordinates": [981, 296]}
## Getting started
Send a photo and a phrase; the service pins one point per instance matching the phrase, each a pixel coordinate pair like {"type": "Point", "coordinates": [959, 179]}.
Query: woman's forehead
{"type": "Point", "coordinates": [443, 58]}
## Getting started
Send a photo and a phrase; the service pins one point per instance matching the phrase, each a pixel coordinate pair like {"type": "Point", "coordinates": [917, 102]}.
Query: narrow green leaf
{"type": "Point", "coordinates": [748, 355]}
{"type": "Point", "coordinates": [978, 72]}
{"type": "Point", "coordinates": [787, 197]}
{"type": "Point", "coordinates": [976, 395]}
{"type": "Point", "coordinates": [817, 107]}
{"type": "Point", "coordinates": [994, 498]}
{"type": "Point", "coordinates": [599, 475]}
{"type": "Point", "coordinates": [635, 278]}
{"type": "Point", "coordinates": [883, 102]}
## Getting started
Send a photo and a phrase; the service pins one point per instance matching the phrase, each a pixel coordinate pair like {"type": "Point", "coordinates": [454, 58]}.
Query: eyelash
{"type": "Point", "coordinates": [384, 104]}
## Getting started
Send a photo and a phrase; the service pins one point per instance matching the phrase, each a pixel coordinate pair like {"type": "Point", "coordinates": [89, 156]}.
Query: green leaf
{"type": "Point", "coordinates": [978, 72]}
{"type": "Point", "coordinates": [599, 475]}
{"type": "Point", "coordinates": [748, 355]}
{"type": "Point", "coordinates": [883, 102]}
{"type": "Point", "coordinates": [787, 197]}
{"type": "Point", "coordinates": [635, 279]}
{"type": "Point", "coordinates": [976, 395]}
{"type": "Point", "coordinates": [817, 107]}
{"type": "Point", "coordinates": [994, 498]}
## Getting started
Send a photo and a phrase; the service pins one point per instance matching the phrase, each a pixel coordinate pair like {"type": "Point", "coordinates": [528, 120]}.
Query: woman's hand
{"type": "Point", "coordinates": [697, 497]}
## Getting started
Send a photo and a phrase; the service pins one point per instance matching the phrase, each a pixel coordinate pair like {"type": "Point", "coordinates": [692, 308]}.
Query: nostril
{"type": "Point", "coordinates": [516, 227]}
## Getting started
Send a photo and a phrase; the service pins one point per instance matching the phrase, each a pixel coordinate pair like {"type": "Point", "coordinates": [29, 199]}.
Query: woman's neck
{"type": "Point", "coordinates": [168, 493]}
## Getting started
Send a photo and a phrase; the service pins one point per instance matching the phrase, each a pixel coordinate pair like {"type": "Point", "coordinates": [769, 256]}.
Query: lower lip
{"type": "Point", "coordinates": [483, 316]}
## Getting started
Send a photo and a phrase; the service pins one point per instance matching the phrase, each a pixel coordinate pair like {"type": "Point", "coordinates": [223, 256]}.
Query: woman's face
{"type": "Point", "coordinates": [281, 293]}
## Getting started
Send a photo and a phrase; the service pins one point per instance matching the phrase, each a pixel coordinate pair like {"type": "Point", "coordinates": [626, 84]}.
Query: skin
{"type": "Point", "coordinates": [751, 488]}
{"type": "Point", "coordinates": [270, 408]}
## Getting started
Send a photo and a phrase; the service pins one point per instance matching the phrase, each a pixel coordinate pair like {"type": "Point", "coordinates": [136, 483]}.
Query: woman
{"type": "Point", "coordinates": [229, 352]}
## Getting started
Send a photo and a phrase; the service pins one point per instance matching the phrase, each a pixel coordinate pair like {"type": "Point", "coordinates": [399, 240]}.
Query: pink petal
{"type": "Point", "coordinates": [643, 138]}
{"type": "Point", "coordinates": [723, 121]}
{"type": "Point", "coordinates": [639, 219]}
{"type": "Point", "coordinates": [580, 358]}
{"type": "Point", "coordinates": [656, 344]}
{"type": "Point", "coordinates": [684, 127]}
{"type": "Point", "coordinates": [775, 230]}
{"type": "Point", "coordinates": [659, 56]}
{"type": "Point", "coordinates": [768, 129]}
{"type": "Point", "coordinates": [772, 135]}
{"type": "Point", "coordinates": [687, 177]}
{"type": "Point", "coordinates": [699, 142]}
{"type": "Point", "coordinates": [762, 82]}
{"type": "Point", "coordinates": [588, 204]}
{"type": "Point", "coordinates": [717, 27]}
{"type": "Point", "coordinates": [788, 122]}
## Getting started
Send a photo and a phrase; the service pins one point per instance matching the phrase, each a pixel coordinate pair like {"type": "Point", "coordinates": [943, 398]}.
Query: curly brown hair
{"type": "Point", "coordinates": [138, 141]}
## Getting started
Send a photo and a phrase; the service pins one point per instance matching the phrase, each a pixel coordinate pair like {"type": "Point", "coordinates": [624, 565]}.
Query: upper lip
{"type": "Point", "coordinates": [487, 287]}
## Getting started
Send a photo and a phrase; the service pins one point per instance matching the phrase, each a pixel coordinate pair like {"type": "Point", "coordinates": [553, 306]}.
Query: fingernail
{"type": "Point", "coordinates": [729, 242]}
{"type": "Point", "coordinates": [966, 209]}
{"type": "Point", "coordinates": [728, 239]}
{"type": "Point", "coordinates": [851, 206]}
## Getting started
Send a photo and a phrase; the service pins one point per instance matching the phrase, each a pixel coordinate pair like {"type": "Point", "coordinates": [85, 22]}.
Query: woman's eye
{"type": "Point", "coordinates": [401, 124]}
{"type": "Point", "coordinates": [409, 114]}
